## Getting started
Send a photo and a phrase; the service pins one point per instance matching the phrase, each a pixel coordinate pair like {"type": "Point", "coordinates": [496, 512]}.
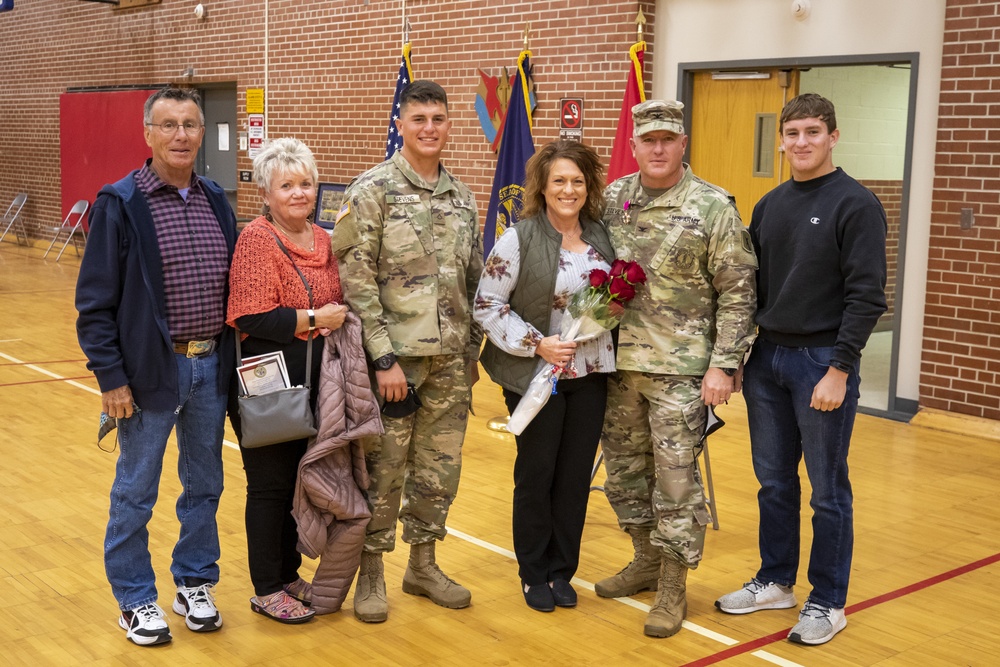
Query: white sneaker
{"type": "Point", "coordinates": [145, 625]}
{"type": "Point", "coordinates": [817, 624]}
{"type": "Point", "coordinates": [755, 596]}
{"type": "Point", "coordinates": [197, 605]}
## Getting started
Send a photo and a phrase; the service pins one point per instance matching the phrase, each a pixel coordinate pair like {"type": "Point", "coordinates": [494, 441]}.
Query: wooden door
{"type": "Point", "coordinates": [734, 132]}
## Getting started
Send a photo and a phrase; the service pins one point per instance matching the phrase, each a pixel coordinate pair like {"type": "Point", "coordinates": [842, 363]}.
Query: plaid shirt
{"type": "Point", "coordinates": [194, 255]}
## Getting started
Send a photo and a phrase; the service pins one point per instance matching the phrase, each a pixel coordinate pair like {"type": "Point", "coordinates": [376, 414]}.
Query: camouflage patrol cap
{"type": "Point", "coordinates": [654, 115]}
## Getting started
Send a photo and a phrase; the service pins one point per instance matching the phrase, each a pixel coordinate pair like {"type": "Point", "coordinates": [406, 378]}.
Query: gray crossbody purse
{"type": "Point", "coordinates": [282, 415]}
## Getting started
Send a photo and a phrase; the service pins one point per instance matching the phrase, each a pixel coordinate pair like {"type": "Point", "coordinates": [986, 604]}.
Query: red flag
{"type": "Point", "coordinates": [622, 162]}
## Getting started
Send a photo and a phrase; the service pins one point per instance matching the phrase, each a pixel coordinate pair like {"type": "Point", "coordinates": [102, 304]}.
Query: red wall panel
{"type": "Point", "coordinates": [100, 139]}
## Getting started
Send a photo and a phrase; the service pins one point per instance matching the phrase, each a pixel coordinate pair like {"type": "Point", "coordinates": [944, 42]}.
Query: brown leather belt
{"type": "Point", "coordinates": [195, 348]}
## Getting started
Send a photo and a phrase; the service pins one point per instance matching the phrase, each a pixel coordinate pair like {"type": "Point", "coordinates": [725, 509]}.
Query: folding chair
{"type": "Point", "coordinates": [11, 219]}
{"type": "Point", "coordinates": [80, 211]}
{"type": "Point", "coordinates": [712, 425]}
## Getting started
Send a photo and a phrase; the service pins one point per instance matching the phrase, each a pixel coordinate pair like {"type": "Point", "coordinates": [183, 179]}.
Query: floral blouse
{"type": "Point", "coordinates": [513, 335]}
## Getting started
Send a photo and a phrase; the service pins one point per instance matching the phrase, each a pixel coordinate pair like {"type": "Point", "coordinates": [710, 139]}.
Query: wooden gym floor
{"type": "Point", "coordinates": [924, 586]}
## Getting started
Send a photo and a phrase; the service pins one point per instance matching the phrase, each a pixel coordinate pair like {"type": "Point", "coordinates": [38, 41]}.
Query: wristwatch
{"type": "Point", "coordinates": [384, 362]}
{"type": "Point", "coordinates": [312, 319]}
{"type": "Point", "coordinates": [728, 371]}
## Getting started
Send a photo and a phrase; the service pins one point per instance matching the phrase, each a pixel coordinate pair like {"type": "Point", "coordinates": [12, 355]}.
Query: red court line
{"type": "Point", "coordinates": [12, 384]}
{"type": "Point", "coordinates": [41, 363]}
{"type": "Point", "coordinates": [760, 642]}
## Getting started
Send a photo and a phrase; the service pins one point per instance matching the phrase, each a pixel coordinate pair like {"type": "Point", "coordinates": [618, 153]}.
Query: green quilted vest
{"type": "Point", "coordinates": [539, 245]}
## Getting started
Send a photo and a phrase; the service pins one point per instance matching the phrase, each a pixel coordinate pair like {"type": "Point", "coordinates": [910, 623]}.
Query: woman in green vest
{"type": "Point", "coordinates": [529, 277]}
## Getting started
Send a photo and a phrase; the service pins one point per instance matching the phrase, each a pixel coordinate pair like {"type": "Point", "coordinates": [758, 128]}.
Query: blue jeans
{"type": "Point", "coordinates": [200, 419]}
{"type": "Point", "coordinates": [778, 386]}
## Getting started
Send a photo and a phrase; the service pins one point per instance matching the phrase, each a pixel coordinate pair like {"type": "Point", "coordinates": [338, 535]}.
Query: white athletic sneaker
{"type": "Point", "coordinates": [145, 625]}
{"type": "Point", "coordinates": [197, 605]}
{"type": "Point", "coordinates": [755, 596]}
{"type": "Point", "coordinates": [817, 624]}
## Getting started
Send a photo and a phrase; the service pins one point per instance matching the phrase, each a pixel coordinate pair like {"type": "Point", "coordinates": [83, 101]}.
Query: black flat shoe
{"type": "Point", "coordinates": [539, 597]}
{"type": "Point", "coordinates": [563, 594]}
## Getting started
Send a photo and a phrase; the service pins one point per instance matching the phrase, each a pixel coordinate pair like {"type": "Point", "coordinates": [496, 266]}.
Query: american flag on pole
{"type": "Point", "coordinates": [393, 141]}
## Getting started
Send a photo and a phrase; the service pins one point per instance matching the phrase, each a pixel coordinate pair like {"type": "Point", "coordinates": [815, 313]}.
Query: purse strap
{"type": "Point", "coordinates": [305, 282]}
{"type": "Point", "coordinates": [309, 345]}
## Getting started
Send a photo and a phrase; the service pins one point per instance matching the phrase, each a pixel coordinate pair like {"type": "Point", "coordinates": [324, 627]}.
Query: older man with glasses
{"type": "Point", "coordinates": [152, 297]}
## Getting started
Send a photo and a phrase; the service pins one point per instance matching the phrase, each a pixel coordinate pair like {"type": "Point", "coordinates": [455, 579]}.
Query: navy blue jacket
{"type": "Point", "coordinates": [122, 326]}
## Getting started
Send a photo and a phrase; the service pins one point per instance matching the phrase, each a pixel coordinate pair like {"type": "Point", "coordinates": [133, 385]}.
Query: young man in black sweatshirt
{"type": "Point", "coordinates": [820, 243]}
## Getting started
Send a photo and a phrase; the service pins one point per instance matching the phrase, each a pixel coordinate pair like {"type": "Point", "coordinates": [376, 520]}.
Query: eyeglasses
{"type": "Point", "coordinates": [170, 127]}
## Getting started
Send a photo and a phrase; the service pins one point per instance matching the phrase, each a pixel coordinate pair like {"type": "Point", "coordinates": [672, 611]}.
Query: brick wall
{"type": "Point", "coordinates": [332, 72]}
{"type": "Point", "coordinates": [960, 370]}
{"type": "Point", "coordinates": [890, 193]}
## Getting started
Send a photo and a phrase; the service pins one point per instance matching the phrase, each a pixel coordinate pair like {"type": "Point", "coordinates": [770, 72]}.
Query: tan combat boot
{"type": "Point", "coordinates": [639, 575]}
{"type": "Point", "coordinates": [370, 602]}
{"type": "Point", "coordinates": [671, 606]}
{"type": "Point", "coordinates": [424, 577]}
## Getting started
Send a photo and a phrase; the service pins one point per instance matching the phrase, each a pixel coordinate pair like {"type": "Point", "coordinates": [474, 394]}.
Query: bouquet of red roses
{"type": "Point", "coordinates": [590, 312]}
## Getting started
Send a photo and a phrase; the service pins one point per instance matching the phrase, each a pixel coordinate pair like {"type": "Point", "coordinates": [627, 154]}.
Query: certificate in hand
{"type": "Point", "coordinates": [263, 374]}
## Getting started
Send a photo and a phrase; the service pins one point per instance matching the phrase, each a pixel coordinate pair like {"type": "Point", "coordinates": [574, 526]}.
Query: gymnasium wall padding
{"type": "Point", "coordinates": [100, 140]}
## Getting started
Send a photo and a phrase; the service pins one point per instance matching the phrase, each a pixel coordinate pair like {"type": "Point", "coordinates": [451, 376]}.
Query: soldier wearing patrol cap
{"type": "Point", "coordinates": [410, 255]}
{"type": "Point", "coordinates": [681, 347]}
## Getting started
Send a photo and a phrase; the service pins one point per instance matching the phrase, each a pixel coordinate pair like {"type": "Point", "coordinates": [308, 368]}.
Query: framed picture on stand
{"type": "Point", "coordinates": [329, 199]}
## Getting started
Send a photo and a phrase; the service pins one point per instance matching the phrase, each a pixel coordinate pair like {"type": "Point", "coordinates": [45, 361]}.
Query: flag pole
{"type": "Point", "coordinates": [404, 76]}
{"type": "Point", "coordinates": [640, 45]}
{"type": "Point", "coordinates": [622, 161]}
{"type": "Point", "coordinates": [516, 145]}
{"type": "Point", "coordinates": [406, 27]}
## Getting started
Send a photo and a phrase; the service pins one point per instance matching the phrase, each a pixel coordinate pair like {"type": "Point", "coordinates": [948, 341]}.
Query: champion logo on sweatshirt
{"type": "Point", "coordinates": [815, 221]}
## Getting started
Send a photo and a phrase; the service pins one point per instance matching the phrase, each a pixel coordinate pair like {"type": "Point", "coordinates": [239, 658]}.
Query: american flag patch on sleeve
{"type": "Point", "coordinates": [344, 210]}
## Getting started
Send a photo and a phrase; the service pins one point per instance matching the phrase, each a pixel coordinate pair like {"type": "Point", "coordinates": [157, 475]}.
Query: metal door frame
{"type": "Point", "coordinates": [228, 86]}
{"type": "Point", "coordinates": [899, 409]}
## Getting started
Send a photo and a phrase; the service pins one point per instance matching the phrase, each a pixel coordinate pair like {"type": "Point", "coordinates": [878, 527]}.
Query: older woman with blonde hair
{"type": "Point", "coordinates": [527, 281]}
{"type": "Point", "coordinates": [284, 291]}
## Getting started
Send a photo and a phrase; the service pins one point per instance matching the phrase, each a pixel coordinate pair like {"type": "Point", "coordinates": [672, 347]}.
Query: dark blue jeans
{"type": "Point", "coordinates": [778, 386]}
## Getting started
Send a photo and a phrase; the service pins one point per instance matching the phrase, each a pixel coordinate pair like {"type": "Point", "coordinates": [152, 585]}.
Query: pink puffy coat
{"type": "Point", "coordinates": [329, 506]}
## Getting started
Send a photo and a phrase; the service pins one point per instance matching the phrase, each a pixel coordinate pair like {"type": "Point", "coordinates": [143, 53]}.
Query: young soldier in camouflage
{"type": "Point", "coordinates": [410, 255]}
{"type": "Point", "coordinates": [681, 346]}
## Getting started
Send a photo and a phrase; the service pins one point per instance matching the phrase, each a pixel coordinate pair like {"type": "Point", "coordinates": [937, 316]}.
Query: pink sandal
{"type": "Point", "coordinates": [282, 608]}
{"type": "Point", "coordinates": [301, 590]}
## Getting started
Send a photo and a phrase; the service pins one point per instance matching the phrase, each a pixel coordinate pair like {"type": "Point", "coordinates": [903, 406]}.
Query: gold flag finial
{"type": "Point", "coordinates": [527, 34]}
{"type": "Point", "coordinates": [640, 22]}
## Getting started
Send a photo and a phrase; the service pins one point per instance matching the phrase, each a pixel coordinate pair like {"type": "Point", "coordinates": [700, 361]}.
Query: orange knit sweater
{"type": "Point", "coordinates": [261, 277]}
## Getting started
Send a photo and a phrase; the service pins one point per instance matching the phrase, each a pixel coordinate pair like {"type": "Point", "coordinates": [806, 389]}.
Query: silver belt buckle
{"type": "Point", "coordinates": [199, 347]}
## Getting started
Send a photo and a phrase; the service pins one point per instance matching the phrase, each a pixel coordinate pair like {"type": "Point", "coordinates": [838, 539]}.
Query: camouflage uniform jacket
{"type": "Point", "coordinates": [410, 256]}
{"type": "Point", "coordinates": [697, 307]}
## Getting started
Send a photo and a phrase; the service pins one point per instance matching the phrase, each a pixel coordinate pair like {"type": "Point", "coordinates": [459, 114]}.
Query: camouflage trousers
{"type": "Point", "coordinates": [652, 437]}
{"type": "Point", "coordinates": [418, 460]}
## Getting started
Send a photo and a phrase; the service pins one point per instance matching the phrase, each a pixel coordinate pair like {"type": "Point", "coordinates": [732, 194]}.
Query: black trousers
{"type": "Point", "coordinates": [555, 457]}
{"type": "Point", "coordinates": [272, 534]}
